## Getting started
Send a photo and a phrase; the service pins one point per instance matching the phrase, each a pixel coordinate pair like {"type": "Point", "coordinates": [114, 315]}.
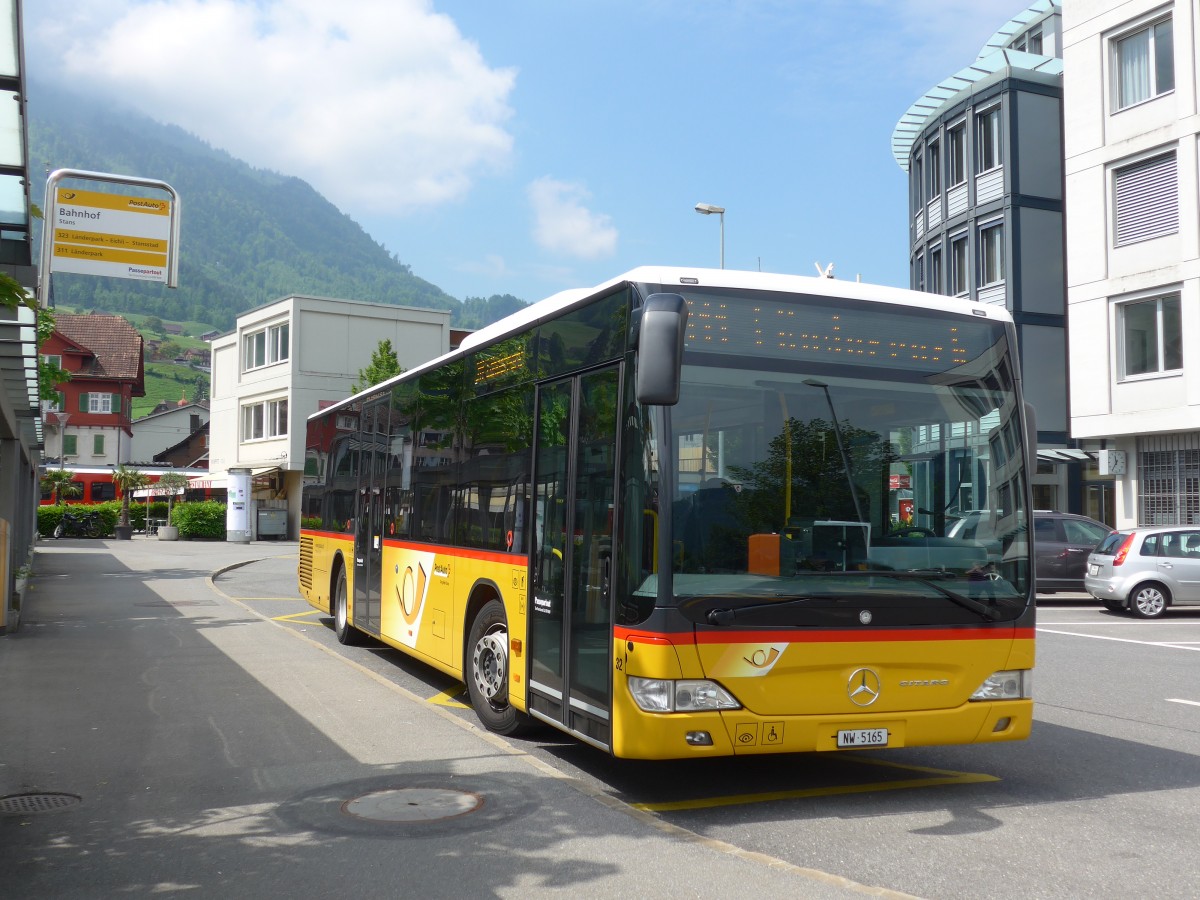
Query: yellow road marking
{"type": "Point", "coordinates": [450, 698]}
{"type": "Point", "coordinates": [940, 777]}
{"type": "Point", "coordinates": [291, 617]}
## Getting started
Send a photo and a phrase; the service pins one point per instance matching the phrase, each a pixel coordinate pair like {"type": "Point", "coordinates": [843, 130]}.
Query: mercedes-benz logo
{"type": "Point", "coordinates": [863, 687]}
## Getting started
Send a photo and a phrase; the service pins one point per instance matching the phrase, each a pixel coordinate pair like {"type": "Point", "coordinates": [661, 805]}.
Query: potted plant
{"type": "Point", "coordinates": [127, 481]}
{"type": "Point", "coordinates": [172, 482]}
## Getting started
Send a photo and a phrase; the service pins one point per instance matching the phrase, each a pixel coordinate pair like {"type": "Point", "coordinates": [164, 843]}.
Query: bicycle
{"type": "Point", "coordinates": [79, 524]}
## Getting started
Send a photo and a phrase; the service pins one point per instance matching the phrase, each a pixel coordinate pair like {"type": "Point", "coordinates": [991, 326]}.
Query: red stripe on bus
{"type": "Point", "coordinates": [827, 637]}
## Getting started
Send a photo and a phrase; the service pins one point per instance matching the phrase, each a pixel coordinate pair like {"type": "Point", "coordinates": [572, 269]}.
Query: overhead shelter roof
{"type": "Point", "coordinates": [993, 58]}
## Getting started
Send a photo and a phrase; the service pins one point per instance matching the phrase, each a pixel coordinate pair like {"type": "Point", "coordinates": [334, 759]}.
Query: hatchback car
{"type": "Point", "coordinates": [1062, 542]}
{"type": "Point", "coordinates": [1146, 569]}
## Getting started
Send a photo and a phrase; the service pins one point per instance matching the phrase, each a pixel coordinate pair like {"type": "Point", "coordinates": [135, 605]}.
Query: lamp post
{"type": "Point", "coordinates": [837, 432]}
{"type": "Point", "coordinates": [707, 209]}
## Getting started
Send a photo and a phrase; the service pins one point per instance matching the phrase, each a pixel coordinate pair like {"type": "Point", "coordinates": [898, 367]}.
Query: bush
{"type": "Point", "coordinates": [205, 519]}
{"type": "Point", "coordinates": [48, 517]}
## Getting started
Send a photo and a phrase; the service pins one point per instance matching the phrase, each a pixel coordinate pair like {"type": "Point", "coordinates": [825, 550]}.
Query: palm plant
{"type": "Point", "coordinates": [62, 483]}
{"type": "Point", "coordinates": [127, 481]}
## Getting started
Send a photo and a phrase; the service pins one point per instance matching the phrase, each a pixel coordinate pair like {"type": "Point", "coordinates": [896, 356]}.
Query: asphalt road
{"type": "Point", "coordinates": [252, 729]}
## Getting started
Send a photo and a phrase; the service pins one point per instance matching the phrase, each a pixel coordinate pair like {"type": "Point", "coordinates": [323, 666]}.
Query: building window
{"type": "Point", "coordinates": [935, 270]}
{"type": "Point", "coordinates": [919, 273]}
{"type": "Point", "coordinates": [1030, 41]}
{"type": "Point", "coordinates": [267, 419]}
{"type": "Point", "coordinates": [266, 347]}
{"type": "Point", "coordinates": [987, 139]}
{"type": "Point", "coordinates": [958, 264]}
{"type": "Point", "coordinates": [918, 182]}
{"type": "Point", "coordinates": [99, 403]}
{"type": "Point", "coordinates": [1146, 200]}
{"type": "Point", "coordinates": [97, 445]}
{"type": "Point", "coordinates": [991, 254]}
{"type": "Point", "coordinates": [52, 359]}
{"type": "Point", "coordinates": [935, 170]}
{"type": "Point", "coordinates": [69, 445]}
{"type": "Point", "coordinates": [1151, 335]}
{"type": "Point", "coordinates": [1143, 64]}
{"type": "Point", "coordinates": [956, 140]}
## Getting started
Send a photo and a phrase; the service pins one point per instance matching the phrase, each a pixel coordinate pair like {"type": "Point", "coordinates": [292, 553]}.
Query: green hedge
{"type": "Point", "coordinates": [205, 519]}
{"type": "Point", "coordinates": [199, 523]}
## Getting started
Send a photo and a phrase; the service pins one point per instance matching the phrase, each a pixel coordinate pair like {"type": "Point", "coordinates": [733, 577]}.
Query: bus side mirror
{"type": "Point", "coordinates": [660, 349]}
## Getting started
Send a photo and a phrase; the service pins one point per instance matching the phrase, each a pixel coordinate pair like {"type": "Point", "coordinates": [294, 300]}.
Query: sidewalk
{"type": "Point", "coordinates": [158, 735]}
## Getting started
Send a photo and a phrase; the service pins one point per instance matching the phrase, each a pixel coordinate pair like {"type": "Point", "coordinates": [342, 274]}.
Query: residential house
{"type": "Point", "coordinates": [169, 425]}
{"type": "Point", "coordinates": [90, 423]}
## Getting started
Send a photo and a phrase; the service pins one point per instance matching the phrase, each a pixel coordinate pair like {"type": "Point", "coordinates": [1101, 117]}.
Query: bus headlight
{"type": "Point", "coordinates": [1012, 685]}
{"type": "Point", "coordinates": [666, 695]}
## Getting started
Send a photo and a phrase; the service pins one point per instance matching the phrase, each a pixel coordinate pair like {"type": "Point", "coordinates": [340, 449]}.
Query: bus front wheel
{"type": "Point", "coordinates": [487, 671]}
{"type": "Point", "coordinates": [346, 633]}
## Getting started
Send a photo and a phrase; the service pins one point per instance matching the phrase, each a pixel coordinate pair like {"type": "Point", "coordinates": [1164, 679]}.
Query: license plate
{"type": "Point", "coordinates": [1093, 568]}
{"type": "Point", "coordinates": [862, 737]}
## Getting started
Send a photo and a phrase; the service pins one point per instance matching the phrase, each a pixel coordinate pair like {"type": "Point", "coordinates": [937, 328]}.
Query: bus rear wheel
{"type": "Point", "coordinates": [346, 633]}
{"type": "Point", "coordinates": [487, 672]}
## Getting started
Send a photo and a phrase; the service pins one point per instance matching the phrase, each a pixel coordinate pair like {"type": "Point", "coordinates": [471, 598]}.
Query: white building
{"type": "Point", "coordinates": [1133, 252]}
{"type": "Point", "coordinates": [281, 363]}
{"type": "Point", "coordinates": [164, 428]}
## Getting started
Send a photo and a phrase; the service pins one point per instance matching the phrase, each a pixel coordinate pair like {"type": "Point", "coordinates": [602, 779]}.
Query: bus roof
{"type": "Point", "coordinates": [685, 278]}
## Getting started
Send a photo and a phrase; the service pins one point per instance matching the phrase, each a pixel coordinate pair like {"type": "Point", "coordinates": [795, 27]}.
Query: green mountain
{"type": "Point", "coordinates": [248, 236]}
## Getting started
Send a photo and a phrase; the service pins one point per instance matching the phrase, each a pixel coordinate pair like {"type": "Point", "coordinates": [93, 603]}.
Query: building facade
{"type": "Point", "coordinates": [90, 424]}
{"type": "Point", "coordinates": [281, 364]}
{"type": "Point", "coordinates": [1133, 243]}
{"type": "Point", "coordinates": [983, 153]}
{"type": "Point", "coordinates": [169, 425]}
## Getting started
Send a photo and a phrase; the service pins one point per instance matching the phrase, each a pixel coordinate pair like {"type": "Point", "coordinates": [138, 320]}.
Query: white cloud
{"type": "Point", "coordinates": [562, 224]}
{"type": "Point", "coordinates": [381, 104]}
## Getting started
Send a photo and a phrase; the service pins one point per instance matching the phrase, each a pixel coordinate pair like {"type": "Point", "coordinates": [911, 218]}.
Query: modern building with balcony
{"type": "Point", "coordinates": [983, 153]}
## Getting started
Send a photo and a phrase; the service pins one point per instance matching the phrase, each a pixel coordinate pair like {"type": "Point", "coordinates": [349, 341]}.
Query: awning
{"type": "Point", "coordinates": [220, 480]}
{"type": "Point", "coordinates": [1065, 454]}
{"type": "Point", "coordinates": [154, 490]}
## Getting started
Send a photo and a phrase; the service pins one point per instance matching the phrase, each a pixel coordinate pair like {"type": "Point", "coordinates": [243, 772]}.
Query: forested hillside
{"type": "Point", "coordinates": [249, 236]}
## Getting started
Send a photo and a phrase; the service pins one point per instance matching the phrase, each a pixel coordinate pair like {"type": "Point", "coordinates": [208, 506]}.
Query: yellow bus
{"type": "Point", "coordinates": [694, 513]}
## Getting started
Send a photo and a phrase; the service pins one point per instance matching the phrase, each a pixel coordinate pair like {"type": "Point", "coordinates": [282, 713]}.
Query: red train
{"type": "Point", "coordinates": [96, 485]}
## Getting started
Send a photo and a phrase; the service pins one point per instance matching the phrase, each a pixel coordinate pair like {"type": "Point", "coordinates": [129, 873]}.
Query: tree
{"type": "Point", "coordinates": [384, 364]}
{"type": "Point", "coordinates": [172, 482]}
{"type": "Point", "coordinates": [127, 481]}
{"type": "Point", "coordinates": [155, 324]}
{"type": "Point", "coordinates": [62, 483]}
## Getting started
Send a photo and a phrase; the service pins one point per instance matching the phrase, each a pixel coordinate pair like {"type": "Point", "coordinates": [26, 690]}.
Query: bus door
{"type": "Point", "coordinates": [570, 630]}
{"type": "Point", "coordinates": [368, 530]}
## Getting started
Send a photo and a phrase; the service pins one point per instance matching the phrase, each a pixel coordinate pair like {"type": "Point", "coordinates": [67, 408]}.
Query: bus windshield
{"type": "Point", "coordinates": [827, 449]}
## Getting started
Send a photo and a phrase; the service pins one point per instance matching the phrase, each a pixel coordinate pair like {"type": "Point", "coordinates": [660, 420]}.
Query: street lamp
{"type": "Point", "coordinates": [707, 209]}
{"type": "Point", "coordinates": [837, 431]}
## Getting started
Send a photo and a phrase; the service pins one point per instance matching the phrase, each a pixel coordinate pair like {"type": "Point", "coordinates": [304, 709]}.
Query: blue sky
{"type": "Point", "coordinates": [526, 146]}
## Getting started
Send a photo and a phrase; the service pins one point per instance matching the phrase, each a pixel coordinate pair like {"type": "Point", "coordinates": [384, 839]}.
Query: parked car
{"type": "Point", "coordinates": [1146, 569]}
{"type": "Point", "coordinates": [1062, 542]}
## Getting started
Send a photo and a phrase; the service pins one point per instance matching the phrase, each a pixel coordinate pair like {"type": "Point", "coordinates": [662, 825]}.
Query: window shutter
{"type": "Point", "coordinates": [83, 402]}
{"type": "Point", "coordinates": [116, 403]}
{"type": "Point", "coordinates": [1147, 200]}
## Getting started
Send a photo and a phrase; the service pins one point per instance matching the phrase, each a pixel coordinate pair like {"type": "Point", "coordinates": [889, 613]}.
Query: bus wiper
{"type": "Point", "coordinates": [927, 577]}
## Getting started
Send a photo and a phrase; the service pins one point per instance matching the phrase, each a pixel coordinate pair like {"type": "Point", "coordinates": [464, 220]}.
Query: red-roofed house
{"type": "Point", "coordinates": [92, 416]}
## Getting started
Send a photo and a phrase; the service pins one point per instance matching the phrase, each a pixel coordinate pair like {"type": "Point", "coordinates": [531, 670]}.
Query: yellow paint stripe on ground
{"type": "Point", "coordinates": [292, 617]}
{"type": "Point", "coordinates": [945, 778]}
{"type": "Point", "coordinates": [450, 698]}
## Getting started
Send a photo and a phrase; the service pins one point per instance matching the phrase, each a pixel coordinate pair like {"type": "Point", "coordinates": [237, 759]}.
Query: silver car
{"type": "Point", "coordinates": [1146, 569]}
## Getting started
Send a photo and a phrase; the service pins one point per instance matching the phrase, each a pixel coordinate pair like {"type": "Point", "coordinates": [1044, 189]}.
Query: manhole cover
{"type": "Point", "coordinates": [413, 805]}
{"type": "Point", "coordinates": [26, 804]}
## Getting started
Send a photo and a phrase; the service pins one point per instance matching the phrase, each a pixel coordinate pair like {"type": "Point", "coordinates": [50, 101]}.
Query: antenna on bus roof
{"type": "Point", "coordinates": [826, 272]}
